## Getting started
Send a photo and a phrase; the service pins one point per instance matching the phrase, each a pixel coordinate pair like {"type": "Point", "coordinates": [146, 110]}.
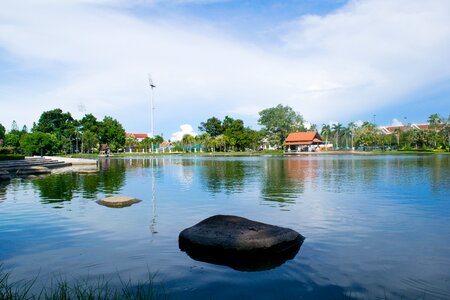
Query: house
{"type": "Point", "coordinates": [138, 136]}
{"type": "Point", "coordinates": [104, 149]}
{"type": "Point", "coordinates": [165, 147]}
{"type": "Point", "coordinates": [267, 145]}
{"type": "Point", "coordinates": [303, 141]}
{"type": "Point", "coordinates": [392, 129]}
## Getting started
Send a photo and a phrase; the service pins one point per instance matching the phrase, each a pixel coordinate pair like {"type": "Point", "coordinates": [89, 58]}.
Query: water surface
{"type": "Point", "coordinates": [375, 226]}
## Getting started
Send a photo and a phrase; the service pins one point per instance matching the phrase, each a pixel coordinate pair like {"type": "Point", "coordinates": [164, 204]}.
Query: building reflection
{"type": "Point", "coordinates": [285, 179]}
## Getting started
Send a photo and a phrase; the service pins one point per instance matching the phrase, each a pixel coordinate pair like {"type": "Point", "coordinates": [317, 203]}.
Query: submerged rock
{"type": "Point", "coordinates": [34, 170]}
{"type": "Point", "coordinates": [240, 243]}
{"type": "Point", "coordinates": [118, 201]}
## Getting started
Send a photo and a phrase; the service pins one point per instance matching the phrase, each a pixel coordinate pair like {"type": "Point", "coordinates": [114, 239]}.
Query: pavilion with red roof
{"type": "Point", "coordinates": [303, 141]}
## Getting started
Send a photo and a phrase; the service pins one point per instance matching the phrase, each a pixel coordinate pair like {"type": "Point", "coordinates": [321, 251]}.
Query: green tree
{"type": "Point", "coordinates": [12, 140]}
{"type": "Point", "coordinates": [397, 133]}
{"type": "Point", "coordinates": [158, 139]}
{"type": "Point", "coordinates": [434, 121]}
{"type": "Point", "coordinates": [281, 120]}
{"type": "Point", "coordinates": [367, 135]}
{"type": "Point", "coordinates": [56, 122]}
{"type": "Point", "coordinates": [337, 130]}
{"type": "Point", "coordinates": [212, 126]}
{"type": "Point", "coordinates": [90, 122]}
{"type": "Point", "coordinates": [14, 128]}
{"type": "Point", "coordinates": [39, 142]}
{"type": "Point", "coordinates": [352, 127]}
{"type": "Point", "coordinates": [187, 142]}
{"type": "Point", "coordinates": [325, 132]}
{"type": "Point", "coordinates": [2, 132]}
{"type": "Point", "coordinates": [90, 141]}
{"type": "Point", "coordinates": [112, 133]}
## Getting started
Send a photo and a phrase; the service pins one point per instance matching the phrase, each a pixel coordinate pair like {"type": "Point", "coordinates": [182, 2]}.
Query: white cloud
{"type": "Point", "coordinates": [185, 129]}
{"type": "Point", "coordinates": [396, 122]}
{"type": "Point", "coordinates": [365, 56]}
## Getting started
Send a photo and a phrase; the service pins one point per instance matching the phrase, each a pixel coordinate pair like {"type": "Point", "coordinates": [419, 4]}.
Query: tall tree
{"type": "Point", "coordinates": [212, 126]}
{"type": "Point", "coordinates": [351, 127]}
{"type": "Point", "coordinates": [325, 132]}
{"type": "Point", "coordinates": [434, 121]}
{"type": "Point", "coordinates": [112, 133]}
{"type": "Point", "coordinates": [2, 131]}
{"type": "Point", "coordinates": [39, 143]}
{"type": "Point", "coordinates": [58, 123]}
{"type": "Point", "coordinates": [89, 122]}
{"type": "Point", "coordinates": [281, 120]}
{"type": "Point", "coordinates": [337, 128]}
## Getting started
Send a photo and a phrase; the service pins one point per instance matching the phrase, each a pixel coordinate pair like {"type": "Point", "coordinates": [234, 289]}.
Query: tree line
{"type": "Point", "coordinates": [58, 132]}
{"type": "Point", "coordinates": [368, 136]}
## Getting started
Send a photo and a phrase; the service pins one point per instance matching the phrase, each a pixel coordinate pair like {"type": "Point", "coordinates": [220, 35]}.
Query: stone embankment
{"type": "Point", "coordinates": [31, 166]}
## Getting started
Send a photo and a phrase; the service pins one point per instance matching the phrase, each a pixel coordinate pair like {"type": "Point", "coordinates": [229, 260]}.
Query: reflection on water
{"type": "Point", "coordinates": [223, 175]}
{"type": "Point", "coordinates": [245, 262]}
{"type": "Point", "coordinates": [376, 225]}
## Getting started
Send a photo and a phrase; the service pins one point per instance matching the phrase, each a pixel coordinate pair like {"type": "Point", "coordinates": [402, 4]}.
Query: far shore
{"type": "Point", "coordinates": [260, 153]}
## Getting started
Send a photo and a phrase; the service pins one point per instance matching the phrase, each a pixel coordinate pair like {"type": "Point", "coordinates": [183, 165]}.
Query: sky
{"type": "Point", "coordinates": [331, 61]}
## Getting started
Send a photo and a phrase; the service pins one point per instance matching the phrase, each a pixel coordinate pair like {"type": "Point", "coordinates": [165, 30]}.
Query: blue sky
{"type": "Point", "coordinates": [331, 60]}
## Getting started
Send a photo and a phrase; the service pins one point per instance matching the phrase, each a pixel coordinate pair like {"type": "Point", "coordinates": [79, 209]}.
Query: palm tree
{"type": "Point", "coordinates": [351, 127]}
{"type": "Point", "coordinates": [337, 128]}
{"type": "Point", "coordinates": [434, 120]}
{"type": "Point", "coordinates": [326, 131]}
{"type": "Point", "coordinates": [187, 141]}
{"type": "Point", "coordinates": [397, 132]}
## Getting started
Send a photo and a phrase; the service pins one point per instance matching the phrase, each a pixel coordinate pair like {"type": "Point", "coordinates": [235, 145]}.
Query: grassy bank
{"type": "Point", "coordinates": [267, 152]}
{"type": "Point", "coordinates": [259, 153]}
{"type": "Point", "coordinates": [96, 289]}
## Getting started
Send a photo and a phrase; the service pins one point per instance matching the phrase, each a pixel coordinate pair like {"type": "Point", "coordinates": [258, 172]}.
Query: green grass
{"type": "Point", "coordinates": [97, 289]}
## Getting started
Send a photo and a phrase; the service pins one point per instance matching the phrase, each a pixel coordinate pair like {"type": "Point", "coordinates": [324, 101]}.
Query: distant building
{"type": "Point", "coordinates": [104, 149]}
{"type": "Point", "coordinates": [391, 129]}
{"type": "Point", "coordinates": [303, 141]}
{"type": "Point", "coordinates": [266, 145]}
{"type": "Point", "coordinates": [165, 147]}
{"type": "Point", "coordinates": [138, 136]}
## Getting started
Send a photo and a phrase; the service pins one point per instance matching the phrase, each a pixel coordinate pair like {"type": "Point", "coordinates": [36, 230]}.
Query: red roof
{"type": "Point", "coordinates": [303, 138]}
{"type": "Point", "coordinates": [165, 144]}
{"type": "Point", "coordinates": [136, 135]}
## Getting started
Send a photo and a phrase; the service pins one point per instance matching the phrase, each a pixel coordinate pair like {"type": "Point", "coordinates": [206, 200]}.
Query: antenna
{"type": "Point", "coordinates": [152, 107]}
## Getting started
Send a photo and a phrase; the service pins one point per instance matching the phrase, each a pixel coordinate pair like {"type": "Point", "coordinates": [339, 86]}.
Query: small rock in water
{"type": "Point", "coordinates": [240, 243]}
{"type": "Point", "coordinates": [118, 201]}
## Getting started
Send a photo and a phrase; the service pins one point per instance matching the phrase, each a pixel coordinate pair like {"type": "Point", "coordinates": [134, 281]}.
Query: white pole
{"type": "Point", "coordinates": [152, 108]}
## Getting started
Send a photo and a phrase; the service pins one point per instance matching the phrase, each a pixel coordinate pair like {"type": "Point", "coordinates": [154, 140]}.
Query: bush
{"type": "Point", "coordinates": [11, 157]}
{"type": "Point", "coordinates": [6, 150]}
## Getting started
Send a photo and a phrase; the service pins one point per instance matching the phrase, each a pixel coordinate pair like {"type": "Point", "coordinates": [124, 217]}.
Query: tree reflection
{"type": "Point", "coordinates": [63, 187]}
{"type": "Point", "coordinates": [57, 187]}
{"type": "Point", "coordinates": [227, 175]}
{"type": "Point", "coordinates": [3, 185]}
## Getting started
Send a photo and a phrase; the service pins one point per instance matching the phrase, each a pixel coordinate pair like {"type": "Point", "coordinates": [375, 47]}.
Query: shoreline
{"type": "Point", "coordinates": [269, 153]}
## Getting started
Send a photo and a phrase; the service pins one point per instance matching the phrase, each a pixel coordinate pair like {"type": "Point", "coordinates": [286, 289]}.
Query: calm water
{"type": "Point", "coordinates": [375, 226]}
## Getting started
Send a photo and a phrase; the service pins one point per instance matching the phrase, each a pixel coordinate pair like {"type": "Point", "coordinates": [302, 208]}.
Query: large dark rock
{"type": "Point", "coordinates": [240, 243]}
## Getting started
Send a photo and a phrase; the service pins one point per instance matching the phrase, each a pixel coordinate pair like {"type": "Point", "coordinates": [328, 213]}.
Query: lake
{"type": "Point", "coordinates": [375, 226]}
